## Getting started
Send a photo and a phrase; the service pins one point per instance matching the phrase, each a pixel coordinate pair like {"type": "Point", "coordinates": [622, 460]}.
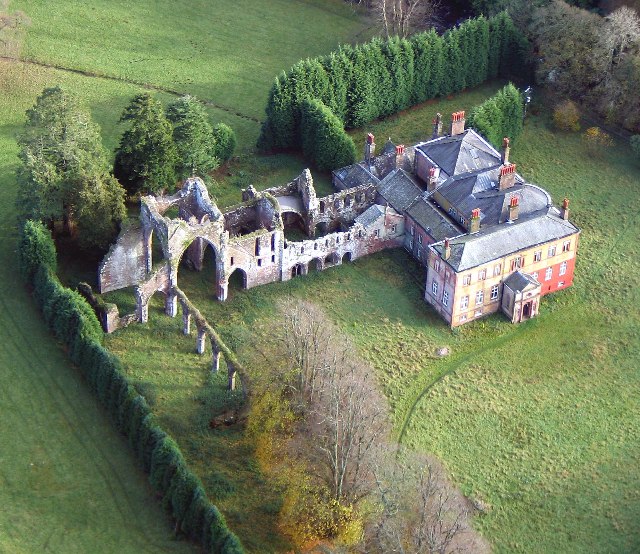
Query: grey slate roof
{"type": "Point", "coordinates": [370, 216]}
{"type": "Point", "coordinates": [399, 189]}
{"type": "Point", "coordinates": [488, 244]}
{"type": "Point", "coordinates": [519, 281]}
{"type": "Point", "coordinates": [480, 190]}
{"type": "Point", "coordinates": [355, 175]}
{"type": "Point", "coordinates": [432, 220]}
{"type": "Point", "coordinates": [461, 153]}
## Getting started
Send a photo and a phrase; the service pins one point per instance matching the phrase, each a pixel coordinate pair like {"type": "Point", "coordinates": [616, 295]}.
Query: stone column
{"type": "Point", "coordinates": [171, 304]}
{"type": "Point", "coordinates": [215, 357]}
{"type": "Point", "coordinates": [142, 310]}
{"type": "Point", "coordinates": [232, 376]}
{"type": "Point", "coordinates": [223, 290]}
{"type": "Point", "coordinates": [200, 344]}
{"type": "Point", "coordinates": [186, 320]}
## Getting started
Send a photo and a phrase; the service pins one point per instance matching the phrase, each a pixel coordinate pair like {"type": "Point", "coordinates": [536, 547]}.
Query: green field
{"type": "Point", "coordinates": [538, 422]}
{"type": "Point", "coordinates": [68, 481]}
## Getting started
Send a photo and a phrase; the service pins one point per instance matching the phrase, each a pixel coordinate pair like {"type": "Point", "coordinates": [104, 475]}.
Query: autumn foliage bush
{"type": "Point", "coordinates": [566, 116]}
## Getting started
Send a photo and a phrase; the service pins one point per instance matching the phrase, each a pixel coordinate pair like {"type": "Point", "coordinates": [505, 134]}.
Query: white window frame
{"type": "Point", "coordinates": [551, 252]}
{"type": "Point", "coordinates": [482, 275]}
{"type": "Point", "coordinates": [464, 302]}
{"type": "Point", "coordinates": [495, 290]}
{"type": "Point", "coordinates": [419, 239]}
{"type": "Point", "coordinates": [548, 274]}
{"type": "Point", "coordinates": [566, 246]}
{"type": "Point", "coordinates": [445, 298]}
{"type": "Point", "coordinates": [517, 263]}
{"type": "Point", "coordinates": [466, 279]}
{"type": "Point", "coordinates": [434, 287]}
{"type": "Point", "coordinates": [496, 269]}
{"type": "Point", "coordinates": [537, 256]}
{"type": "Point", "coordinates": [479, 298]}
{"type": "Point", "coordinates": [412, 230]}
{"type": "Point", "coordinates": [563, 268]}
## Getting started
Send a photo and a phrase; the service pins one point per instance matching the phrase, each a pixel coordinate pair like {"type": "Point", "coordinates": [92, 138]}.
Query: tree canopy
{"type": "Point", "coordinates": [64, 173]}
{"type": "Point", "coordinates": [146, 158]}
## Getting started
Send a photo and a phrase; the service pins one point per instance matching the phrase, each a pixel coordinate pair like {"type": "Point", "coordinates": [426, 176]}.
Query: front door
{"type": "Point", "coordinates": [526, 310]}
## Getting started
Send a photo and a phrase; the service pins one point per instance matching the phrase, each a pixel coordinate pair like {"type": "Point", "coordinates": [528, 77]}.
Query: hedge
{"type": "Point", "coordinates": [74, 323]}
{"type": "Point", "coordinates": [324, 141]}
{"type": "Point", "coordinates": [379, 78]}
{"type": "Point", "coordinates": [500, 116]}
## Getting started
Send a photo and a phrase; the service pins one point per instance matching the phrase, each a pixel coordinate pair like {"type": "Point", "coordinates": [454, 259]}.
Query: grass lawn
{"type": "Point", "coordinates": [539, 422]}
{"type": "Point", "coordinates": [67, 478]}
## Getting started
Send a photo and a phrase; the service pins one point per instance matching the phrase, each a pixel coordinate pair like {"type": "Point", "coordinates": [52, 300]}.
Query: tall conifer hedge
{"type": "Point", "coordinates": [499, 116]}
{"type": "Point", "coordinates": [73, 321]}
{"type": "Point", "coordinates": [379, 78]}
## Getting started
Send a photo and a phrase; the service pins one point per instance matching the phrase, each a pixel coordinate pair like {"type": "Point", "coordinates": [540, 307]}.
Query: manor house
{"type": "Point", "coordinates": [489, 240]}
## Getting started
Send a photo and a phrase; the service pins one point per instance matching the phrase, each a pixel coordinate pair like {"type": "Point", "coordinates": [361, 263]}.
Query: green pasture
{"type": "Point", "coordinates": [537, 423]}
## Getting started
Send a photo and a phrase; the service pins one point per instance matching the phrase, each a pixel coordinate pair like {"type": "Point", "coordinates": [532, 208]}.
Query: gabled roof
{"type": "Point", "coordinates": [371, 216]}
{"type": "Point", "coordinates": [399, 189]}
{"type": "Point", "coordinates": [479, 189]}
{"type": "Point", "coordinates": [519, 281]}
{"type": "Point", "coordinates": [461, 153]}
{"type": "Point", "coordinates": [432, 220]}
{"type": "Point", "coordinates": [355, 175]}
{"type": "Point", "coordinates": [492, 243]}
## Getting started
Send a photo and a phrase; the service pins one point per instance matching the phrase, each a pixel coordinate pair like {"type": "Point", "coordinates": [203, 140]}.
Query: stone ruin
{"type": "Point", "coordinates": [248, 238]}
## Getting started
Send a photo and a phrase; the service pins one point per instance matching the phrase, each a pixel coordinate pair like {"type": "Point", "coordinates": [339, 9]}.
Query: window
{"type": "Point", "coordinates": [259, 262]}
{"type": "Point", "coordinates": [419, 239]}
{"type": "Point", "coordinates": [257, 246]}
{"type": "Point", "coordinates": [273, 242]}
{"type": "Point", "coordinates": [315, 245]}
{"type": "Point", "coordinates": [563, 268]}
{"type": "Point", "coordinates": [464, 302]}
{"type": "Point", "coordinates": [494, 292]}
{"type": "Point", "coordinates": [434, 288]}
{"type": "Point", "coordinates": [273, 259]}
{"type": "Point", "coordinates": [412, 230]}
{"type": "Point", "coordinates": [447, 275]}
{"type": "Point", "coordinates": [478, 313]}
{"type": "Point", "coordinates": [566, 246]}
{"type": "Point", "coordinates": [445, 298]}
{"type": "Point", "coordinates": [517, 263]}
{"type": "Point", "coordinates": [463, 221]}
{"type": "Point", "coordinates": [466, 279]}
{"type": "Point", "coordinates": [393, 228]}
{"type": "Point", "coordinates": [463, 317]}
{"type": "Point", "coordinates": [436, 264]}
{"type": "Point", "coordinates": [560, 284]}
{"type": "Point", "coordinates": [411, 244]}
{"type": "Point", "coordinates": [479, 297]}
{"type": "Point", "coordinates": [482, 275]}
{"type": "Point", "coordinates": [548, 274]}
{"type": "Point", "coordinates": [419, 252]}
{"type": "Point", "coordinates": [537, 256]}
{"type": "Point", "coordinates": [452, 211]}
{"type": "Point", "coordinates": [231, 261]}
{"type": "Point", "coordinates": [496, 270]}
{"type": "Point", "coordinates": [376, 234]}
{"type": "Point", "coordinates": [535, 275]}
{"type": "Point", "coordinates": [551, 252]}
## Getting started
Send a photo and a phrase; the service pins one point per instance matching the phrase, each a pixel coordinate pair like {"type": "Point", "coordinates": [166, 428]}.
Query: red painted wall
{"type": "Point", "coordinates": [552, 285]}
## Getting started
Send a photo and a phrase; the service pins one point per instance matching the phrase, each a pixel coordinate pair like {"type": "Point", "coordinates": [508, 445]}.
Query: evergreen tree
{"type": "Point", "coordinates": [146, 158]}
{"type": "Point", "coordinates": [224, 140]}
{"type": "Point", "coordinates": [380, 71]}
{"type": "Point", "coordinates": [338, 68]}
{"type": "Point", "coordinates": [453, 76]}
{"type": "Point", "coordinates": [324, 140]}
{"type": "Point", "coordinates": [193, 137]}
{"type": "Point", "coordinates": [500, 116]}
{"type": "Point", "coordinates": [278, 129]}
{"type": "Point", "coordinates": [64, 172]}
{"type": "Point", "coordinates": [362, 107]}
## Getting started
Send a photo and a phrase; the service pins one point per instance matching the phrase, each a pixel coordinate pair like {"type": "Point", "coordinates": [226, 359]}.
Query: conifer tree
{"type": "Point", "coordinates": [338, 68]}
{"type": "Point", "coordinates": [362, 107]}
{"type": "Point", "coordinates": [379, 73]}
{"type": "Point", "coordinates": [193, 137]}
{"type": "Point", "coordinates": [453, 76]}
{"type": "Point", "coordinates": [146, 158]}
{"type": "Point", "coordinates": [224, 140]}
{"type": "Point", "coordinates": [64, 174]}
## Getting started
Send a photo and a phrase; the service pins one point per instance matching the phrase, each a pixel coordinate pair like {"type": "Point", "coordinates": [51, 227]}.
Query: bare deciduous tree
{"type": "Point", "coordinates": [622, 30]}
{"type": "Point", "coordinates": [400, 17]}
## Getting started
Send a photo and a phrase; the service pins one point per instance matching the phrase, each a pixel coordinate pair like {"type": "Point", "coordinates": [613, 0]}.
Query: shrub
{"type": "Point", "coordinates": [224, 141]}
{"type": "Point", "coordinates": [596, 140]}
{"type": "Point", "coordinates": [566, 116]}
{"type": "Point", "coordinates": [324, 140]}
{"type": "Point", "coordinates": [500, 116]}
{"type": "Point", "coordinates": [35, 248]}
{"type": "Point", "coordinates": [165, 459]}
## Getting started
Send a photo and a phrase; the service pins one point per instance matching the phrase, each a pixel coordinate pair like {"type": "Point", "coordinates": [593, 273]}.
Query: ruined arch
{"type": "Point", "coordinates": [237, 280]}
{"type": "Point", "coordinates": [316, 264]}
{"type": "Point", "coordinates": [347, 257]}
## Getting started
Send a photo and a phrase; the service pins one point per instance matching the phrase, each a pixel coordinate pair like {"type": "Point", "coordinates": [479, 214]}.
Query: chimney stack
{"type": "Point", "coordinates": [507, 176]}
{"type": "Point", "coordinates": [457, 123]}
{"type": "Point", "coordinates": [399, 155]}
{"type": "Point", "coordinates": [474, 227]}
{"type": "Point", "coordinates": [447, 250]}
{"type": "Point", "coordinates": [432, 183]}
{"type": "Point", "coordinates": [369, 149]}
{"type": "Point", "coordinates": [437, 126]}
{"type": "Point", "coordinates": [565, 209]}
{"type": "Point", "coordinates": [514, 208]}
{"type": "Point", "coordinates": [505, 151]}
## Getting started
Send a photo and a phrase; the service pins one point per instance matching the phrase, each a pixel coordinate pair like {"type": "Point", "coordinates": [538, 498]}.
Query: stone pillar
{"type": "Point", "coordinates": [223, 290]}
{"type": "Point", "coordinates": [200, 344]}
{"type": "Point", "coordinates": [171, 304]}
{"type": "Point", "coordinates": [142, 311]}
{"type": "Point", "coordinates": [232, 376]}
{"type": "Point", "coordinates": [305, 269]}
{"type": "Point", "coordinates": [215, 357]}
{"type": "Point", "coordinates": [186, 320]}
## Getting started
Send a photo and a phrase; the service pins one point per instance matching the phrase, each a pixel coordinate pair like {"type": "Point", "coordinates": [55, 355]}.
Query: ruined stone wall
{"type": "Point", "coordinates": [125, 263]}
{"type": "Point", "coordinates": [258, 256]}
{"type": "Point", "coordinates": [343, 207]}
